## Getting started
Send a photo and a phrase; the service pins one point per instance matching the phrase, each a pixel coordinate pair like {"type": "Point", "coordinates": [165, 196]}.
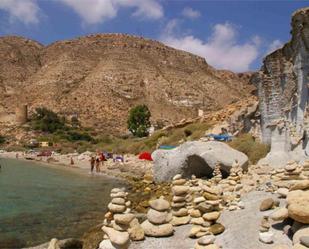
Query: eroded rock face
{"type": "Point", "coordinates": [195, 158]}
{"type": "Point", "coordinates": [283, 94]}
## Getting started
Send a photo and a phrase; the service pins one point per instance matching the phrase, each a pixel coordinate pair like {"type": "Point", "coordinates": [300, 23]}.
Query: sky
{"type": "Point", "coordinates": [232, 35]}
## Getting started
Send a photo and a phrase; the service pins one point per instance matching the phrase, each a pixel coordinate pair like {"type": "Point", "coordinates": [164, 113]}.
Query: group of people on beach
{"type": "Point", "coordinates": [98, 160]}
{"type": "Point", "coordinates": [95, 161]}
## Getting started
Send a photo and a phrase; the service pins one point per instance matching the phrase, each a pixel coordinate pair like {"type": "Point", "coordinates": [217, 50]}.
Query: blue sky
{"type": "Point", "coordinates": [232, 35]}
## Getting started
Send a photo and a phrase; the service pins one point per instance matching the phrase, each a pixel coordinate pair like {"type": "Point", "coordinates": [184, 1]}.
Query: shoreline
{"type": "Point", "coordinates": [62, 162]}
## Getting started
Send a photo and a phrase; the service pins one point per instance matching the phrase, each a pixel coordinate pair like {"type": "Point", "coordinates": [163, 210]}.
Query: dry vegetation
{"type": "Point", "coordinates": [252, 148]}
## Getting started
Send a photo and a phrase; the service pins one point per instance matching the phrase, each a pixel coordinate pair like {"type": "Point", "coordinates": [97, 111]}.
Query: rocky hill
{"type": "Point", "coordinates": [99, 77]}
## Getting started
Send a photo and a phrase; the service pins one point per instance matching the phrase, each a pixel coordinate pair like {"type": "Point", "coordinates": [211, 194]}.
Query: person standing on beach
{"type": "Point", "coordinates": [97, 164]}
{"type": "Point", "coordinates": [92, 163]}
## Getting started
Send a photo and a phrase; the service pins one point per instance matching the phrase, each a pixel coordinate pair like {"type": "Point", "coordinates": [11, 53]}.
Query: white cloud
{"type": "Point", "coordinates": [191, 13]}
{"type": "Point", "coordinates": [97, 11]}
{"type": "Point", "coordinates": [25, 11]}
{"type": "Point", "coordinates": [221, 50]}
{"type": "Point", "coordinates": [274, 46]}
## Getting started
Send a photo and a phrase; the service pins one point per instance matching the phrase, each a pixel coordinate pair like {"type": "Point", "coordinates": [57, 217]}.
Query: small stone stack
{"type": "Point", "coordinates": [217, 176]}
{"type": "Point", "coordinates": [235, 172]}
{"type": "Point", "coordinates": [116, 233]}
{"type": "Point", "coordinates": [158, 218]}
{"type": "Point", "coordinates": [180, 200]}
{"type": "Point", "coordinates": [119, 224]}
{"type": "Point", "coordinates": [306, 169]}
{"type": "Point", "coordinates": [292, 171]}
{"type": "Point", "coordinates": [265, 235]}
{"type": "Point", "coordinates": [205, 214]}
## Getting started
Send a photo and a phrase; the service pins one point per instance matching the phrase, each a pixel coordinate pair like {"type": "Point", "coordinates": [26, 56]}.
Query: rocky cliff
{"type": "Point", "coordinates": [282, 86]}
{"type": "Point", "coordinates": [99, 77]}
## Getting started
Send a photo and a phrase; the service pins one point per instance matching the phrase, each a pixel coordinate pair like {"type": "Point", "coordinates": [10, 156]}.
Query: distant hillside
{"type": "Point", "coordinates": [99, 77]}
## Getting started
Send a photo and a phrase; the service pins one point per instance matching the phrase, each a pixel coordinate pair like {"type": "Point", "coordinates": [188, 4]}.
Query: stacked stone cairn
{"type": "Point", "coordinates": [231, 187]}
{"type": "Point", "coordinates": [205, 213]}
{"type": "Point", "coordinates": [158, 219]}
{"type": "Point", "coordinates": [120, 225]}
{"type": "Point", "coordinates": [217, 176]}
{"type": "Point", "coordinates": [306, 169]}
{"type": "Point", "coordinates": [292, 171]}
{"type": "Point", "coordinates": [181, 201]}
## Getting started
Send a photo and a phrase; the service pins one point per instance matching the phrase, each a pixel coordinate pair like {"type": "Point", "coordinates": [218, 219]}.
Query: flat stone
{"type": "Point", "coordinates": [157, 217]}
{"type": "Point", "coordinates": [212, 216]}
{"type": "Point", "coordinates": [114, 208]}
{"type": "Point", "coordinates": [119, 194]}
{"type": "Point", "coordinates": [124, 219]}
{"type": "Point", "coordinates": [279, 214]}
{"type": "Point", "coordinates": [157, 230]}
{"type": "Point", "coordinates": [195, 213]}
{"type": "Point", "coordinates": [194, 230]}
{"type": "Point", "coordinates": [197, 221]}
{"type": "Point", "coordinates": [159, 204]}
{"type": "Point", "coordinates": [283, 192]}
{"type": "Point", "coordinates": [204, 207]}
{"type": "Point", "coordinates": [216, 229]}
{"type": "Point", "coordinates": [118, 201]}
{"type": "Point", "coordinates": [206, 240]}
{"type": "Point", "coordinates": [179, 182]}
{"type": "Point", "coordinates": [178, 221]}
{"type": "Point", "coordinates": [177, 177]}
{"type": "Point", "coordinates": [179, 198]}
{"type": "Point", "coordinates": [180, 212]}
{"type": "Point", "coordinates": [178, 204]}
{"type": "Point", "coordinates": [180, 190]}
{"type": "Point", "coordinates": [117, 238]}
{"type": "Point", "coordinates": [266, 237]}
{"type": "Point", "coordinates": [300, 185]}
{"type": "Point", "coordinates": [199, 199]}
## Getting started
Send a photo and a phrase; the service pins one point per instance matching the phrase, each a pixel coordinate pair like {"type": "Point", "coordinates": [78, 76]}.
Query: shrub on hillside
{"type": "Point", "coordinates": [46, 120]}
{"type": "Point", "coordinates": [139, 120]}
{"type": "Point", "coordinates": [252, 148]}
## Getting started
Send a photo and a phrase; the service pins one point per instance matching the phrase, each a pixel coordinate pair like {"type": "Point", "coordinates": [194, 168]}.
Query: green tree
{"type": "Point", "coordinates": [139, 120]}
{"type": "Point", "coordinates": [46, 120]}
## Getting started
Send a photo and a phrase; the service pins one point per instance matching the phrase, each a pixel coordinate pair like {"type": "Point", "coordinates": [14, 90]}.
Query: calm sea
{"type": "Point", "coordinates": [38, 203]}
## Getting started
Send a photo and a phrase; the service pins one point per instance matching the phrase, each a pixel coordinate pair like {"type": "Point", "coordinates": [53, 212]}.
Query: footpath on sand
{"type": "Point", "coordinates": [242, 230]}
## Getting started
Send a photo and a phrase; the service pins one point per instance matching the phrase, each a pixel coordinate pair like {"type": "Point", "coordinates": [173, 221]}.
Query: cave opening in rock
{"type": "Point", "coordinates": [197, 166]}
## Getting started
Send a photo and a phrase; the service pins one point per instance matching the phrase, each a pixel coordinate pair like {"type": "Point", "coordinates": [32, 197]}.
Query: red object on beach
{"type": "Point", "coordinates": [145, 156]}
{"type": "Point", "coordinates": [45, 153]}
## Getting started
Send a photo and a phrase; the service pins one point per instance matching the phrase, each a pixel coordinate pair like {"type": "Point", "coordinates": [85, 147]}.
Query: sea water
{"type": "Point", "coordinates": [40, 202]}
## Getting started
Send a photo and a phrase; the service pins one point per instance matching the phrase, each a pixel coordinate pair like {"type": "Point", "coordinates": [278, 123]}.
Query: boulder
{"type": "Point", "coordinates": [302, 232]}
{"type": "Point", "coordinates": [195, 158]}
{"type": "Point", "coordinates": [298, 206]}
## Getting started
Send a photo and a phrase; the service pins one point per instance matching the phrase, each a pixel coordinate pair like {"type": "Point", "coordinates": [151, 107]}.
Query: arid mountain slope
{"type": "Point", "coordinates": [99, 77]}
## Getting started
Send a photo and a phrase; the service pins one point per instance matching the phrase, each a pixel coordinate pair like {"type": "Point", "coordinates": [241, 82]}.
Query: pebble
{"type": "Point", "coordinates": [266, 204]}
{"type": "Point", "coordinates": [211, 216]}
{"type": "Point", "coordinates": [266, 237]}
{"type": "Point", "coordinates": [279, 214]}
{"type": "Point", "coordinates": [206, 240]}
{"type": "Point", "coordinates": [114, 208]}
{"type": "Point", "coordinates": [116, 237]}
{"type": "Point", "coordinates": [157, 230]}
